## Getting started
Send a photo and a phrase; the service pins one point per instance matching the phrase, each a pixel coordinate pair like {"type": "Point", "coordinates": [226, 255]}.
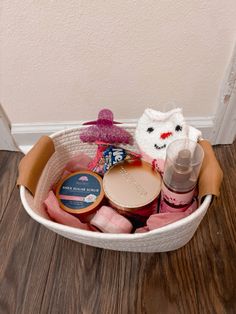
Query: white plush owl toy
{"type": "Point", "coordinates": [156, 130]}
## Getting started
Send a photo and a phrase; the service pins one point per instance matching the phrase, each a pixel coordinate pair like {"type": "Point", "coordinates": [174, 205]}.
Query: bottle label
{"type": "Point", "coordinates": [174, 201]}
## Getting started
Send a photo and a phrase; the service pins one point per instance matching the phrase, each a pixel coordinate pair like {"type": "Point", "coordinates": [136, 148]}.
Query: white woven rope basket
{"type": "Point", "coordinates": [67, 145]}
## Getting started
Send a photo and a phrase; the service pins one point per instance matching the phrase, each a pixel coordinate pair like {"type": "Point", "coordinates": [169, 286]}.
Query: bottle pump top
{"type": "Point", "coordinates": [183, 162]}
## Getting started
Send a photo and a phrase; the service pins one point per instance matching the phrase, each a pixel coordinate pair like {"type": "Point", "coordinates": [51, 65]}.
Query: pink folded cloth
{"type": "Point", "coordinates": [142, 229]}
{"type": "Point", "coordinates": [60, 216]}
{"type": "Point", "coordinates": [162, 219]}
{"type": "Point", "coordinates": [79, 162]}
{"type": "Point", "coordinates": [108, 220]}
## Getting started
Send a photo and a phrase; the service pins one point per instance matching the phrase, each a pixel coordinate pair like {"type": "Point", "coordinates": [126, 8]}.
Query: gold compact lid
{"type": "Point", "coordinates": [132, 184]}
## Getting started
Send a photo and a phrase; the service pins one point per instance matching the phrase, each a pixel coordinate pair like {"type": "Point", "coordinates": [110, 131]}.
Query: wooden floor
{"type": "Point", "coordinates": [41, 272]}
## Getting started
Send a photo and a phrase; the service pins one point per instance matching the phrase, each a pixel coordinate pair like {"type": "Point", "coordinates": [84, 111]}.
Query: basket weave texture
{"type": "Point", "coordinates": [67, 145]}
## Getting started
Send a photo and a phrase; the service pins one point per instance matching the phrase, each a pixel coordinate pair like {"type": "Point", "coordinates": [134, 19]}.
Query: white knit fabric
{"type": "Point", "coordinates": [156, 130]}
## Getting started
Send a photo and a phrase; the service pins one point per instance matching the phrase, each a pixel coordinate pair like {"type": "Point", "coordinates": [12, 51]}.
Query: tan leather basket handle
{"type": "Point", "coordinates": [33, 163]}
{"type": "Point", "coordinates": [211, 175]}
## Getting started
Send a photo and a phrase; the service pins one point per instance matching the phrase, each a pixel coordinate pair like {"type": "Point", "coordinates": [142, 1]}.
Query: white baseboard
{"type": "Point", "coordinates": [6, 139]}
{"type": "Point", "coordinates": [27, 134]}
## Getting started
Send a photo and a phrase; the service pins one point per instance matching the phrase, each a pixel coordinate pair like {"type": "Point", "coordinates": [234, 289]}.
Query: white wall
{"type": "Point", "coordinates": [63, 60]}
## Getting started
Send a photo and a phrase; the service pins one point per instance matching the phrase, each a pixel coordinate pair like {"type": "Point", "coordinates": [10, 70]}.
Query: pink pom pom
{"type": "Point", "coordinates": [105, 131]}
{"type": "Point", "coordinates": [108, 220]}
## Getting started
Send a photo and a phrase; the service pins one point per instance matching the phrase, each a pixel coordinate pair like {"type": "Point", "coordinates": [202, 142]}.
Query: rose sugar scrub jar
{"type": "Point", "coordinates": [81, 194]}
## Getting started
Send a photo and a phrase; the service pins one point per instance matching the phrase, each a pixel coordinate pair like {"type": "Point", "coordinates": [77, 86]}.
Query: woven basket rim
{"type": "Point", "coordinates": [107, 236]}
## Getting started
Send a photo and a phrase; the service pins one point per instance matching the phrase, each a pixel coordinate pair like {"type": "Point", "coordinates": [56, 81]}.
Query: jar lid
{"type": "Point", "coordinates": [132, 184]}
{"type": "Point", "coordinates": [80, 192]}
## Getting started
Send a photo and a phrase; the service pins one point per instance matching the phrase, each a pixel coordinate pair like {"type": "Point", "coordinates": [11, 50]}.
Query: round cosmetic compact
{"type": "Point", "coordinates": [133, 189]}
{"type": "Point", "coordinates": [81, 194]}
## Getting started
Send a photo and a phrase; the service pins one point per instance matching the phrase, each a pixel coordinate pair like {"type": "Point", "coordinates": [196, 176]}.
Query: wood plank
{"type": "Point", "coordinates": [87, 280]}
{"type": "Point", "coordinates": [8, 173]}
{"type": "Point", "coordinates": [25, 255]}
